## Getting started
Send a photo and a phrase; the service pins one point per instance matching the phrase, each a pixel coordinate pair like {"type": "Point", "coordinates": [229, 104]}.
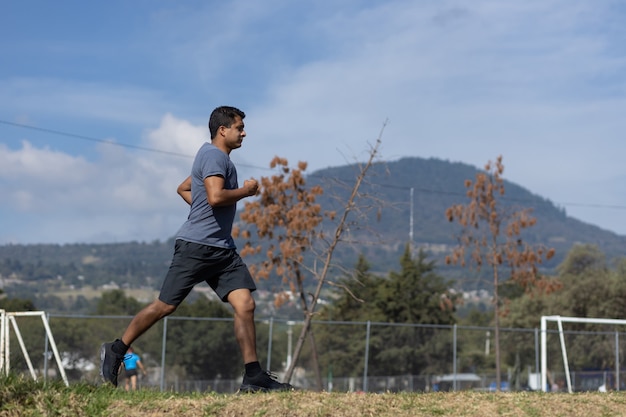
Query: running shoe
{"type": "Point", "coordinates": [263, 382]}
{"type": "Point", "coordinates": [110, 363]}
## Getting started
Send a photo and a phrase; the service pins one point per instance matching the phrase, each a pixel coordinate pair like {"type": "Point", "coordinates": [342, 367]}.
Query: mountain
{"type": "Point", "coordinates": [380, 226]}
{"type": "Point", "coordinates": [433, 185]}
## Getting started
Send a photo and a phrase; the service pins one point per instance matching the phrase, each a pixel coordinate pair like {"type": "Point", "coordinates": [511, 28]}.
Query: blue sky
{"type": "Point", "coordinates": [540, 82]}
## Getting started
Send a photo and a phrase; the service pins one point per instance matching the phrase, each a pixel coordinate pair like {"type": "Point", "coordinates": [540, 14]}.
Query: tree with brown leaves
{"type": "Point", "coordinates": [491, 236]}
{"type": "Point", "coordinates": [286, 215]}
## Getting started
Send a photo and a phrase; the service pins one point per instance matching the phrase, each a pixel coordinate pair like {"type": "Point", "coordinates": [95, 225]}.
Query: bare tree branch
{"type": "Point", "coordinates": [286, 215]}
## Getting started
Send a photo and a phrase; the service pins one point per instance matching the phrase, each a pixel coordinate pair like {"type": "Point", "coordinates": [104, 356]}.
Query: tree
{"type": "Point", "coordinates": [582, 259]}
{"type": "Point", "coordinates": [491, 236]}
{"type": "Point", "coordinates": [413, 295]}
{"type": "Point", "coordinates": [78, 340]}
{"type": "Point", "coordinates": [16, 304]}
{"type": "Point", "coordinates": [472, 350]}
{"type": "Point", "coordinates": [286, 212]}
{"type": "Point", "coordinates": [116, 302]}
{"type": "Point", "coordinates": [30, 329]}
{"type": "Point", "coordinates": [590, 288]}
{"type": "Point", "coordinates": [194, 345]}
{"type": "Point", "coordinates": [355, 302]}
{"type": "Point", "coordinates": [357, 296]}
{"type": "Point", "coordinates": [416, 294]}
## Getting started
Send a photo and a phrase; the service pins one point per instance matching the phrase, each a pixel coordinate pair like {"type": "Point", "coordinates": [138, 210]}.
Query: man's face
{"type": "Point", "coordinates": [234, 134]}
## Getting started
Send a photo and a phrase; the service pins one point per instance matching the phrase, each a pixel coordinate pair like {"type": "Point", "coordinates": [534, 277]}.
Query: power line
{"type": "Point", "coordinates": [108, 142]}
{"type": "Point", "coordinates": [592, 205]}
{"type": "Point", "coordinates": [83, 137]}
{"type": "Point", "coordinates": [463, 194]}
{"type": "Point", "coordinates": [148, 149]}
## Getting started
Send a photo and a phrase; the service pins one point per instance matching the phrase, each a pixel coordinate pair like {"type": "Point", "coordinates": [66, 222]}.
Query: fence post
{"type": "Point", "coordinates": [544, 354]}
{"type": "Point", "coordinates": [616, 361]}
{"type": "Point", "coordinates": [163, 354]}
{"type": "Point", "coordinates": [367, 354]}
{"type": "Point", "coordinates": [537, 370]}
{"type": "Point", "coordinates": [2, 317]}
{"type": "Point", "coordinates": [454, 357]}
{"type": "Point", "coordinates": [269, 344]}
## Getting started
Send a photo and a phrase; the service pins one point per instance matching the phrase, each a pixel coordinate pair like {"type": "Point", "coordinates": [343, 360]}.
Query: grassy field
{"type": "Point", "coordinates": [19, 397]}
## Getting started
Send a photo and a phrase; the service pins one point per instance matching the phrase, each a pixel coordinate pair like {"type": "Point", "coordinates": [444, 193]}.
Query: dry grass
{"type": "Point", "coordinates": [27, 398]}
{"type": "Point", "coordinates": [300, 404]}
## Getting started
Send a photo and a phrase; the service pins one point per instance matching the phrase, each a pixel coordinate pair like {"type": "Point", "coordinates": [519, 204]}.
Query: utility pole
{"type": "Point", "coordinates": [411, 223]}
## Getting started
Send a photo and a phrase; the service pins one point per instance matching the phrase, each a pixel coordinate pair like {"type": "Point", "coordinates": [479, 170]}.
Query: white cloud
{"type": "Point", "coordinates": [177, 136]}
{"type": "Point", "coordinates": [122, 195]}
{"type": "Point", "coordinates": [35, 179]}
{"type": "Point", "coordinates": [539, 81]}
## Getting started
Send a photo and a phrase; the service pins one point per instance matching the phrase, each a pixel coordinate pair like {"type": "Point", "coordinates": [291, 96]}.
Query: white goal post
{"type": "Point", "coordinates": [544, 348]}
{"type": "Point", "coordinates": [9, 317]}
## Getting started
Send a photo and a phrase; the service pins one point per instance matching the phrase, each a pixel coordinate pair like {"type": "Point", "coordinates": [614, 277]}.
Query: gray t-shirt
{"type": "Point", "coordinates": [208, 225]}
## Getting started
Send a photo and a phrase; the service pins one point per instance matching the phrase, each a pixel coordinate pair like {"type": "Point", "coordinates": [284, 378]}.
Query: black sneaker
{"type": "Point", "coordinates": [110, 363]}
{"type": "Point", "coordinates": [263, 382]}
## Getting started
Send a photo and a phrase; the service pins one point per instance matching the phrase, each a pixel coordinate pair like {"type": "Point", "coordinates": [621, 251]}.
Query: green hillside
{"type": "Point", "coordinates": [380, 229]}
{"type": "Point", "coordinates": [437, 185]}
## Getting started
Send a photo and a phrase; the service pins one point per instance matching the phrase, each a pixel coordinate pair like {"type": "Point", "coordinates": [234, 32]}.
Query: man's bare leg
{"type": "Point", "coordinates": [145, 319]}
{"type": "Point", "coordinates": [245, 330]}
{"type": "Point", "coordinates": [112, 354]}
{"type": "Point", "coordinates": [255, 379]}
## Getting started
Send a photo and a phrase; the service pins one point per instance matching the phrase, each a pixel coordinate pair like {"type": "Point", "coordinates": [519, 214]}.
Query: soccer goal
{"type": "Point", "coordinates": [5, 348]}
{"type": "Point", "coordinates": [544, 348]}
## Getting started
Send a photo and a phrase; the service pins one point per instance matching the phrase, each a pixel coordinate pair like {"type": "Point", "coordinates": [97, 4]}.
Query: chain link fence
{"type": "Point", "coordinates": [350, 356]}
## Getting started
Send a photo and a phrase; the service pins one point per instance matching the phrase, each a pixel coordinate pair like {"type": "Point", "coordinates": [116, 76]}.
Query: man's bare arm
{"type": "Point", "coordinates": [217, 195]}
{"type": "Point", "coordinates": [184, 190]}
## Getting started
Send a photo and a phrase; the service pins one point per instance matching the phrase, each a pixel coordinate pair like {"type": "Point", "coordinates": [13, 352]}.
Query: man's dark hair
{"type": "Point", "coordinates": [223, 116]}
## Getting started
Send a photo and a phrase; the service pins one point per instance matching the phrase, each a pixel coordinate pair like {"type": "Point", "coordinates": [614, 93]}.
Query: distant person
{"type": "Point", "coordinates": [132, 361]}
{"type": "Point", "coordinates": [205, 252]}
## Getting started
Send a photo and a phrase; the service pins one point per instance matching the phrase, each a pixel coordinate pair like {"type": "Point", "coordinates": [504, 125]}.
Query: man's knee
{"type": "Point", "coordinates": [242, 301]}
{"type": "Point", "coordinates": [163, 309]}
{"type": "Point", "coordinates": [249, 304]}
{"type": "Point", "coordinates": [246, 305]}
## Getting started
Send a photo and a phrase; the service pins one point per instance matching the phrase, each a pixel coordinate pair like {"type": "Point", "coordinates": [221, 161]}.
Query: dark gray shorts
{"type": "Point", "coordinates": [193, 263]}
